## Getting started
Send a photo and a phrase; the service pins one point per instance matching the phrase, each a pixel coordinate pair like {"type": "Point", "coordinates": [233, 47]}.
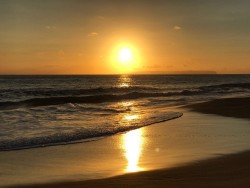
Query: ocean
{"type": "Point", "coordinates": [38, 111]}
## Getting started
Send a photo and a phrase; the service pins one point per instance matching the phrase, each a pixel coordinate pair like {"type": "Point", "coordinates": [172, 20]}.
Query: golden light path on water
{"type": "Point", "coordinates": [124, 81]}
{"type": "Point", "coordinates": [132, 142]}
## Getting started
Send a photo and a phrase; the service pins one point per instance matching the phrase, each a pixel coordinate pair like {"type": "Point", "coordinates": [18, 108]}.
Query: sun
{"type": "Point", "coordinates": [124, 58]}
{"type": "Point", "coordinates": [125, 55]}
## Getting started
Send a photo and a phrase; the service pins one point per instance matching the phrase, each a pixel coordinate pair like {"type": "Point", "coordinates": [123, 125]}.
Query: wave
{"type": "Point", "coordinates": [76, 92]}
{"type": "Point", "coordinates": [101, 98]}
{"type": "Point", "coordinates": [34, 102]}
{"type": "Point", "coordinates": [82, 135]}
{"type": "Point", "coordinates": [226, 86]}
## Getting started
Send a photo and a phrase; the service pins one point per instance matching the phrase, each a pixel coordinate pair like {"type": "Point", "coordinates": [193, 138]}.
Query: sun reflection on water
{"type": "Point", "coordinates": [131, 117]}
{"type": "Point", "coordinates": [124, 81]}
{"type": "Point", "coordinates": [127, 103]}
{"type": "Point", "coordinates": [133, 144]}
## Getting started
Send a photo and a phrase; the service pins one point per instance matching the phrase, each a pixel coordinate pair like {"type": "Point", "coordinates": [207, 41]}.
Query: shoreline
{"type": "Point", "coordinates": [227, 107]}
{"type": "Point", "coordinates": [229, 170]}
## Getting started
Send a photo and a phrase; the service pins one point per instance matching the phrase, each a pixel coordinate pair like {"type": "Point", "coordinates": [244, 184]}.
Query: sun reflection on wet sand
{"type": "Point", "coordinates": [133, 145]}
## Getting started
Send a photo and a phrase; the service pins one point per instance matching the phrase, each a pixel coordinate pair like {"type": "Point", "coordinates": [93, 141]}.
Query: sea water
{"type": "Point", "coordinates": [40, 111]}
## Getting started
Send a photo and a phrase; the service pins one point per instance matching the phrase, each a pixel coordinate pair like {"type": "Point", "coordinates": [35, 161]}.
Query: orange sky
{"type": "Point", "coordinates": [84, 37]}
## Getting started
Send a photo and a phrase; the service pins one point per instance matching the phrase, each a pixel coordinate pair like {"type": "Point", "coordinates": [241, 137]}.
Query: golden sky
{"type": "Point", "coordinates": [160, 36]}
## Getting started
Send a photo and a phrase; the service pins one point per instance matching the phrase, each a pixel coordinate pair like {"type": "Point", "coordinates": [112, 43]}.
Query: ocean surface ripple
{"type": "Point", "coordinates": [40, 111]}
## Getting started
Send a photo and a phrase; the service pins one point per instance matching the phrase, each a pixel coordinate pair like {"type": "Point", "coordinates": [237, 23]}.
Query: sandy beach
{"type": "Point", "coordinates": [207, 160]}
{"type": "Point", "coordinates": [227, 171]}
{"type": "Point", "coordinates": [229, 107]}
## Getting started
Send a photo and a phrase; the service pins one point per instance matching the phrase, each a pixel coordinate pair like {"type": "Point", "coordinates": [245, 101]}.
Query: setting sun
{"type": "Point", "coordinates": [125, 55]}
{"type": "Point", "coordinates": [125, 58]}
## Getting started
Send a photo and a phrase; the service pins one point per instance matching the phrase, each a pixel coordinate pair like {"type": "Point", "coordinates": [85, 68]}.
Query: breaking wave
{"type": "Point", "coordinates": [115, 94]}
{"type": "Point", "coordinates": [82, 135]}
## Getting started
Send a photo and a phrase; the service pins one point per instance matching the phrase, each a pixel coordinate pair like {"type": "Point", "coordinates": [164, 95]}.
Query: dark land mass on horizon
{"type": "Point", "coordinates": [179, 72]}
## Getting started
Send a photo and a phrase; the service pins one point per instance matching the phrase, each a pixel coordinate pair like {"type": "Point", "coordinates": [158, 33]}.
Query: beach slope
{"type": "Point", "coordinates": [224, 171]}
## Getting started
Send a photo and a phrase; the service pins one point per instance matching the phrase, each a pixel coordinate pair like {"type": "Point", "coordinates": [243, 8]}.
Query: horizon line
{"type": "Point", "coordinates": [124, 74]}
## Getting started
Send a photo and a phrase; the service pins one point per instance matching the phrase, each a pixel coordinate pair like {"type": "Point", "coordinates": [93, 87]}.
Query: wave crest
{"type": "Point", "coordinates": [82, 135]}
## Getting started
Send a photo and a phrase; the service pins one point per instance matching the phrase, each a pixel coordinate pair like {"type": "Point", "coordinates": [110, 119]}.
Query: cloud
{"type": "Point", "coordinates": [177, 28]}
{"type": "Point", "coordinates": [92, 34]}
{"type": "Point", "coordinates": [50, 27]}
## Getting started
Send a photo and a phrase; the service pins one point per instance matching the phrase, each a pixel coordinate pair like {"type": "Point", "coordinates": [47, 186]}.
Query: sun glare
{"type": "Point", "coordinates": [125, 55]}
{"type": "Point", "coordinates": [125, 58]}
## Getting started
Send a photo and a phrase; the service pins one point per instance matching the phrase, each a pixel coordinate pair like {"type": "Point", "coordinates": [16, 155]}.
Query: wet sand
{"type": "Point", "coordinates": [227, 171]}
{"type": "Point", "coordinates": [231, 170]}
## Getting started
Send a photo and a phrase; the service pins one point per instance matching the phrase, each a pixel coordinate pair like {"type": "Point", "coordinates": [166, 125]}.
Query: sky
{"type": "Point", "coordinates": [86, 36]}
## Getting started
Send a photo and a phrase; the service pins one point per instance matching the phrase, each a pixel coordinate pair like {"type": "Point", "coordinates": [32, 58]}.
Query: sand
{"type": "Point", "coordinates": [228, 171]}
{"type": "Point", "coordinates": [232, 170]}
{"type": "Point", "coordinates": [229, 107]}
